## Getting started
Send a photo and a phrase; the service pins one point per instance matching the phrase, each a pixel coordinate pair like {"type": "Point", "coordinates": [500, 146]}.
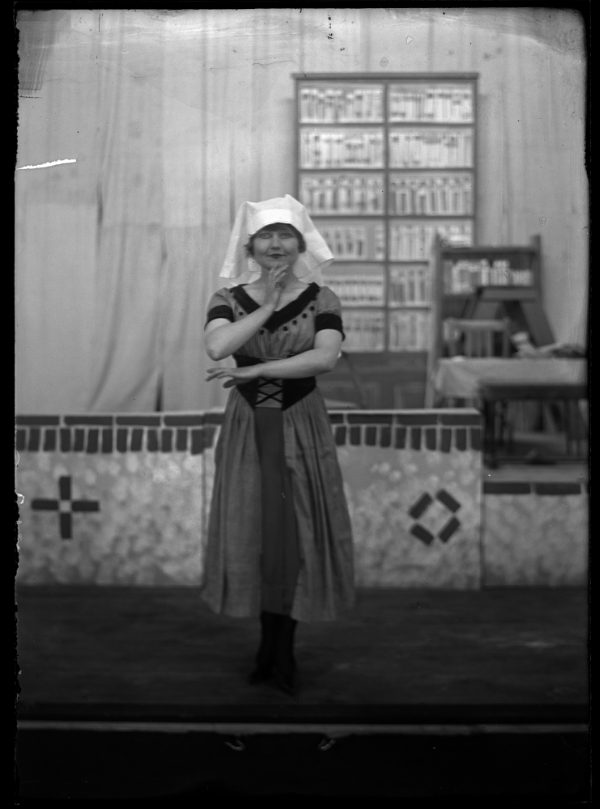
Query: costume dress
{"type": "Point", "coordinates": [279, 533]}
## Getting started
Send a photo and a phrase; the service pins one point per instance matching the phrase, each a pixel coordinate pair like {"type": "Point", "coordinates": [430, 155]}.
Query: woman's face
{"type": "Point", "coordinates": [275, 244]}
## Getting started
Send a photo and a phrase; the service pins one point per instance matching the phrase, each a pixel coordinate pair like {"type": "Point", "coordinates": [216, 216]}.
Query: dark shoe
{"type": "Point", "coordinates": [259, 675]}
{"type": "Point", "coordinates": [265, 657]}
{"type": "Point", "coordinates": [284, 668]}
{"type": "Point", "coordinates": [286, 682]}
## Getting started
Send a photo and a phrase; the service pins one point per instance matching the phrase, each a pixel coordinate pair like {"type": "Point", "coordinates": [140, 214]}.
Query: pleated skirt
{"type": "Point", "coordinates": [279, 536]}
{"type": "Point", "coordinates": [280, 557]}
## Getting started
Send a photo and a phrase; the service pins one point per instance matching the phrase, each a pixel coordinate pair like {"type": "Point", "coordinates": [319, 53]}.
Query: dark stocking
{"type": "Point", "coordinates": [265, 657]}
{"type": "Point", "coordinates": [285, 664]}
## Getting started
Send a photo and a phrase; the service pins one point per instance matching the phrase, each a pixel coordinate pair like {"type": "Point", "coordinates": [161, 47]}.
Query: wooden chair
{"type": "Point", "coordinates": [480, 339]}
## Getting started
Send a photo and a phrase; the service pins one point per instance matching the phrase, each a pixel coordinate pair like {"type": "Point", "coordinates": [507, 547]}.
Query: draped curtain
{"type": "Point", "coordinates": [175, 118]}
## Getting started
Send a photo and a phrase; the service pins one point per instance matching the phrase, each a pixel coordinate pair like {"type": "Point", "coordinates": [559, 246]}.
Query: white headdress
{"type": "Point", "coordinates": [251, 217]}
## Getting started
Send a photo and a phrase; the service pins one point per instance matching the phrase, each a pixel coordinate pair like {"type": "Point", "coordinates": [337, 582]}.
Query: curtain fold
{"type": "Point", "coordinates": [177, 117]}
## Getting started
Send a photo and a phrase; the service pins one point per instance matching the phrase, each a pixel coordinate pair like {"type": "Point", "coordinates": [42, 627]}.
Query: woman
{"type": "Point", "coordinates": [279, 537]}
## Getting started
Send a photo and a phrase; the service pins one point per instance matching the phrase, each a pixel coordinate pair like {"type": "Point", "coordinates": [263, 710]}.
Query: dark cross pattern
{"type": "Point", "coordinates": [269, 389]}
{"type": "Point", "coordinates": [65, 506]}
{"type": "Point", "coordinates": [447, 527]}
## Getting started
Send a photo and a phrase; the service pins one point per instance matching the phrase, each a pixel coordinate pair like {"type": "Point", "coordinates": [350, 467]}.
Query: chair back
{"type": "Point", "coordinates": [478, 338]}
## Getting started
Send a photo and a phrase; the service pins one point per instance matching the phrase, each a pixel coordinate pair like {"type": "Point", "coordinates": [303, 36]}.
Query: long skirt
{"type": "Point", "coordinates": [279, 535]}
{"type": "Point", "coordinates": [280, 555]}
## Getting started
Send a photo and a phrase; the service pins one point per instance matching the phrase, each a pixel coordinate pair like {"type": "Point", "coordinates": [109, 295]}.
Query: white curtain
{"type": "Point", "coordinates": [176, 117]}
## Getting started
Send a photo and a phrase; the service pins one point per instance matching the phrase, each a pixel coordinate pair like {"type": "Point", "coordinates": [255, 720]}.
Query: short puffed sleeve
{"type": "Point", "coordinates": [329, 311]}
{"type": "Point", "coordinates": [219, 306]}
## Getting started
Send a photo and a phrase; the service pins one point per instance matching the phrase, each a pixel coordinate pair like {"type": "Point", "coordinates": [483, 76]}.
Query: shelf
{"type": "Point", "coordinates": [345, 214]}
{"type": "Point", "coordinates": [526, 249]}
{"type": "Point", "coordinates": [378, 261]}
{"type": "Point", "coordinates": [344, 170]}
{"type": "Point", "coordinates": [368, 263]}
{"type": "Point", "coordinates": [416, 163]}
{"type": "Point", "coordinates": [383, 353]}
{"type": "Point", "coordinates": [417, 124]}
{"type": "Point", "coordinates": [430, 168]}
{"type": "Point", "coordinates": [395, 217]}
{"type": "Point", "coordinates": [371, 306]}
{"type": "Point", "coordinates": [436, 169]}
{"type": "Point", "coordinates": [463, 286]}
{"type": "Point", "coordinates": [399, 217]}
{"type": "Point", "coordinates": [389, 169]}
{"type": "Point", "coordinates": [376, 172]}
{"type": "Point", "coordinates": [343, 124]}
{"type": "Point", "coordinates": [371, 78]}
{"type": "Point", "coordinates": [402, 306]}
{"type": "Point", "coordinates": [411, 261]}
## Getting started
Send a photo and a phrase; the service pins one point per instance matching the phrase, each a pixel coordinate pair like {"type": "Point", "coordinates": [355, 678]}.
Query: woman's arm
{"type": "Point", "coordinates": [222, 338]}
{"type": "Point", "coordinates": [318, 360]}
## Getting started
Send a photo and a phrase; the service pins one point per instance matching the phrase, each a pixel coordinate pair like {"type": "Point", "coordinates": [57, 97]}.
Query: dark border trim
{"type": "Point", "coordinates": [506, 487]}
{"type": "Point", "coordinates": [546, 488]}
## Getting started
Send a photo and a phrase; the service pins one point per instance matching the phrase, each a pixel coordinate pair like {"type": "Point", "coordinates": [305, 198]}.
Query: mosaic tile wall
{"type": "Point", "coordinates": [413, 489]}
{"type": "Point", "coordinates": [124, 499]}
{"type": "Point", "coordinates": [552, 517]}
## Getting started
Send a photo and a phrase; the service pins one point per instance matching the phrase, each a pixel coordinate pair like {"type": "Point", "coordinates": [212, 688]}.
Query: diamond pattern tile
{"type": "Point", "coordinates": [434, 517]}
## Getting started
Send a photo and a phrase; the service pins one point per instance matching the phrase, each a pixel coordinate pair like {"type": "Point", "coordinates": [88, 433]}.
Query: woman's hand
{"type": "Point", "coordinates": [234, 376]}
{"type": "Point", "coordinates": [275, 285]}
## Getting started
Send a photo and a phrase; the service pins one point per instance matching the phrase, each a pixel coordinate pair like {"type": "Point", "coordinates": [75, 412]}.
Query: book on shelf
{"type": "Point", "coordinates": [349, 194]}
{"type": "Point", "coordinates": [447, 104]}
{"type": "Point", "coordinates": [431, 148]}
{"type": "Point", "coordinates": [409, 331]}
{"type": "Point", "coordinates": [356, 288]}
{"type": "Point", "coordinates": [364, 242]}
{"type": "Point", "coordinates": [431, 195]}
{"type": "Point", "coordinates": [364, 330]}
{"type": "Point", "coordinates": [386, 163]}
{"type": "Point", "coordinates": [341, 148]}
{"type": "Point", "coordinates": [341, 105]}
{"type": "Point", "coordinates": [409, 242]}
{"type": "Point", "coordinates": [464, 275]}
{"type": "Point", "coordinates": [410, 286]}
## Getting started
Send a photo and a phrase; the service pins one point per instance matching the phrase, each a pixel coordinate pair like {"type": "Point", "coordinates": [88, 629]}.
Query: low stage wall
{"type": "Point", "coordinates": [535, 533]}
{"type": "Point", "coordinates": [124, 499]}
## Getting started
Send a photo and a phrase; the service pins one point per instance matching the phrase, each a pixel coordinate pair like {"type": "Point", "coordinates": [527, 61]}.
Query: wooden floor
{"type": "Point", "coordinates": [122, 653]}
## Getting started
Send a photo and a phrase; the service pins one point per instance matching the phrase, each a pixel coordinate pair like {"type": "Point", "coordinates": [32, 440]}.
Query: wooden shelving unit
{"type": "Point", "coordinates": [487, 283]}
{"type": "Point", "coordinates": [385, 162]}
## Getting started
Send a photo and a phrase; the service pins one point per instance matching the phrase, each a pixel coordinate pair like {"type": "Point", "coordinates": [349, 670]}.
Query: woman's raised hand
{"type": "Point", "coordinates": [275, 285]}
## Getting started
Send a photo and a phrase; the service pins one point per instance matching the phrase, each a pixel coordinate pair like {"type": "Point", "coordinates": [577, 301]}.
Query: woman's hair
{"type": "Point", "coordinates": [301, 243]}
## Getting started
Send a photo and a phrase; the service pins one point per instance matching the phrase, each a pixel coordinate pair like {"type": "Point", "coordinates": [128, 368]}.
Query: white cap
{"type": "Point", "coordinates": [252, 217]}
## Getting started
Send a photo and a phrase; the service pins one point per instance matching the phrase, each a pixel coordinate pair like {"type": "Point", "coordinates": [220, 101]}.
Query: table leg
{"type": "Point", "coordinates": [510, 417]}
{"type": "Point", "coordinates": [503, 438]}
{"type": "Point", "coordinates": [567, 425]}
{"type": "Point", "coordinates": [489, 428]}
{"type": "Point", "coordinates": [579, 428]}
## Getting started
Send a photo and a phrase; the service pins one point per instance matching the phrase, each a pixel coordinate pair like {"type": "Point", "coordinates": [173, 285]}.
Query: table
{"type": "Point", "coordinates": [494, 380]}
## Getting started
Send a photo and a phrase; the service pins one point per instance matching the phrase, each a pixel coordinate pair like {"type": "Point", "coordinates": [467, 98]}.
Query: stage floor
{"type": "Point", "coordinates": [402, 656]}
